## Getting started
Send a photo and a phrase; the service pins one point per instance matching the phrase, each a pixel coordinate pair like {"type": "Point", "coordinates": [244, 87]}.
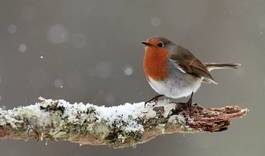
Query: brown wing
{"type": "Point", "coordinates": [189, 63]}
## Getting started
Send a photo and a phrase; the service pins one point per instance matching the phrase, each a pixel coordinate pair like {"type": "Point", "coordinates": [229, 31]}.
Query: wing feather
{"type": "Point", "coordinates": [190, 64]}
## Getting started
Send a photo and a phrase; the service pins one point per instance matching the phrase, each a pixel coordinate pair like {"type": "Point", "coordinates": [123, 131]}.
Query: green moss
{"type": "Point", "coordinates": [120, 137]}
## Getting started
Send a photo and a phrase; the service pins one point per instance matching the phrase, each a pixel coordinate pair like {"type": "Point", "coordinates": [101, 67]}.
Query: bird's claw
{"type": "Point", "coordinates": [187, 105]}
{"type": "Point", "coordinates": [189, 102]}
{"type": "Point", "coordinates": [154, 99]}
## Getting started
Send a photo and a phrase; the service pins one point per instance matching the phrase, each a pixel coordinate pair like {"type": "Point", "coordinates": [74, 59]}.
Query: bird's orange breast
{"type": "Point", "coordinates": [155, 63]}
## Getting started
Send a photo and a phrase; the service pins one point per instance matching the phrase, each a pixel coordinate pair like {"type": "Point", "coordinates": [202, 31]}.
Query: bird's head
{"type": "Point", "coordinates": [158, 43]}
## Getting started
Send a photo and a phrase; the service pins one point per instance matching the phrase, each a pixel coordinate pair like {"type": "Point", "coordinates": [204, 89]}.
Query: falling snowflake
{"type": "Point", "coordinates": [41, 57]}
{"type": "Point", "coordinates": [58, 83]}
{"type": "Point", "coordinates": [128, 70]}
{"type": "Point", "coordinates": [57, 34]}
{"type": "Point", "coordinates": [155, 22]}
{"type": "Point", "coordinates": [12, 29]}
{"type": "Point", "coordinates": [46, 143]}
{"type": "Point", "coordinates": [22, 48]}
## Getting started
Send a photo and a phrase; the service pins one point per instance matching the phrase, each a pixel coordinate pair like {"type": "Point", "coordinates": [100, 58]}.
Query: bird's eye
{"type": "Point", "coordinates": [160, 44]}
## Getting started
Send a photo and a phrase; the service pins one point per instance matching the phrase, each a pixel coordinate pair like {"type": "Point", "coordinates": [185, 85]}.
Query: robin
{"type": "Point", "coordinates": [173, 71]}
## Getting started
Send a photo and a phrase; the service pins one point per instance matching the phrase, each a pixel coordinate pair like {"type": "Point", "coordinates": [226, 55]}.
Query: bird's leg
{"type": "Point", "coordinates": [155, 99]}
{"type": "Point", "coordinates": [189, 102]}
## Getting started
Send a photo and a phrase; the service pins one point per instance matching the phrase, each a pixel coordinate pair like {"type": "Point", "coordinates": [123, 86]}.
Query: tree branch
{"type": "Point", "coordinates": [117, 126]}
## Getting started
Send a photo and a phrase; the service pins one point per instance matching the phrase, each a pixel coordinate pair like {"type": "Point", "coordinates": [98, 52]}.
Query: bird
{"type": "Point", "coordinates": [174, 72]}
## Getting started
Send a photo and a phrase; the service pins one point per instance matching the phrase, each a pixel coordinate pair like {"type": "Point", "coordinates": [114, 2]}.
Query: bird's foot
{"type": "Point", "coordinates": [187, 109]}
{"type": "Point", "coordinates": [154, 99]}
{"type": "Point", "coordinates": [189, 102]}
{"type": "Point", "coordinates": [187, 105]}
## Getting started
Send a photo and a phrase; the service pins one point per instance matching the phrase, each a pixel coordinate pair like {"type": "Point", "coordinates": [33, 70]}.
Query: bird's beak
{"type": "Point", "coordinates": [146, 44]}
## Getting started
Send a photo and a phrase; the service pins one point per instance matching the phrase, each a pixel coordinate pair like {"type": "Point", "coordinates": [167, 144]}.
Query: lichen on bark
{"type": "Point", "coordinates": [118, 126]}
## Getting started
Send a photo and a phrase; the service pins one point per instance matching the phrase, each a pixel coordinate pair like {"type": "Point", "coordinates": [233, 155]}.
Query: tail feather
{"type": "Point", "coordinates": [214, 66]}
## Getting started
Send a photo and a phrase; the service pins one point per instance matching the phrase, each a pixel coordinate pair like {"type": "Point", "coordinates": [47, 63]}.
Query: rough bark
{"type": "Point", "coordinates": [118, 126]}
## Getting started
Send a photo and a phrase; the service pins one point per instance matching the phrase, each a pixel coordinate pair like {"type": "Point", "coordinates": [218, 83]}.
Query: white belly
{"type": "Point", "coordinates": [177, 86]}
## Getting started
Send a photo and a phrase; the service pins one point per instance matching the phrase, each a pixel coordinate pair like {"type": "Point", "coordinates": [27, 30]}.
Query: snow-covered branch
{"type": "Point", "coordinates": [117, 126]}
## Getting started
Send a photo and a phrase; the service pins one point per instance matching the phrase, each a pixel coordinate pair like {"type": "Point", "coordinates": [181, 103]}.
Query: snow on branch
{"type": "Point", "coordinates": [118, 126]}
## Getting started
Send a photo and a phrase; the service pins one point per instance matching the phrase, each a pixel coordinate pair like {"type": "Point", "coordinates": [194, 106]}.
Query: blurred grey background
{"type": "Point", "coordinates": [90, 51]}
